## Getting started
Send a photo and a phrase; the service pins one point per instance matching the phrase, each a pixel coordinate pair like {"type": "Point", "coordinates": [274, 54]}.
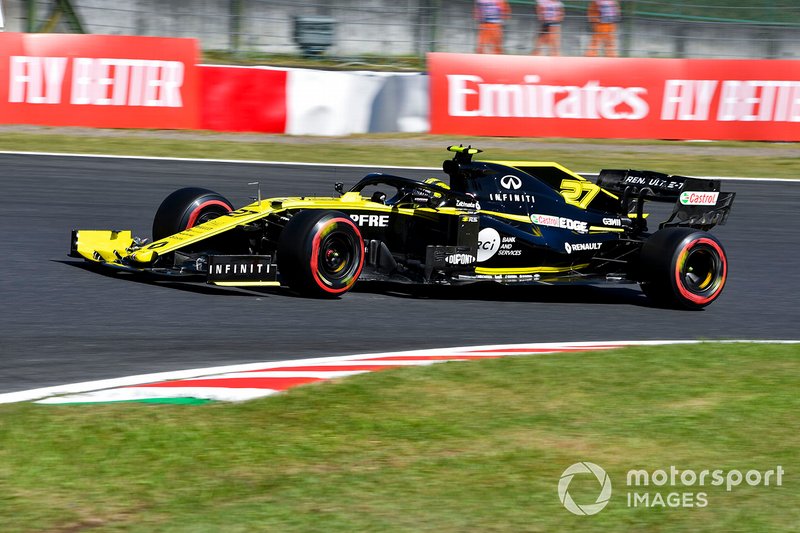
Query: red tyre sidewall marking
{"type": "Point", "coordinates": [688, 294]}
{"type": "Point", "coordinates": [196, 213]}
{"type": "Point", "coordinates": [315, 255]}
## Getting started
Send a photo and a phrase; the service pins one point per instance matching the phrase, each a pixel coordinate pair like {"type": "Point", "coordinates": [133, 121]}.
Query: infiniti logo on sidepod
{"type": "Point", "coordinates": [511, 182]}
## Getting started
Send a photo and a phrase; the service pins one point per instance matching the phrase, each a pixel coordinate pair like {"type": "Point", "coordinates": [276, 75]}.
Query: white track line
{"type": "Point", "coordinates": [290, 374]}
{"type": "Point", "coordinates": [335, 165]}
{"type": "Point", "coordinates": [142, 379]}
{"type": "Point", "coordinates": [204, 160]}
{"type": "Point", "coordinates": [147, 393]}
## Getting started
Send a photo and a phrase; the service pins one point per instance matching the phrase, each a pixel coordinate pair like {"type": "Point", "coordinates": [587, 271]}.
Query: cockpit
{"type": "Point", "coordinates": [397, 191]}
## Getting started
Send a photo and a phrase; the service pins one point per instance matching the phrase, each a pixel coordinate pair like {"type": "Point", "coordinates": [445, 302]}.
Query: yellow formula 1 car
{"type": "Point", "coordinates": [512, 222]}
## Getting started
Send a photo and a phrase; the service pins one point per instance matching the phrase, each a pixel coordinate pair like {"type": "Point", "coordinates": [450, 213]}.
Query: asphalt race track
{"type": "Point", "coordinates": [62, 323]}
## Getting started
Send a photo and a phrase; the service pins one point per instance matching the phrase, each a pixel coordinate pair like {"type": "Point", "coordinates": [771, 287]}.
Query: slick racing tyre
{"type": "Point", "coordinates": [186, 208]}
{"type": "Point", "coordinates": [320, 253]}
{"type": "Point", "coordinates": [683, 267]}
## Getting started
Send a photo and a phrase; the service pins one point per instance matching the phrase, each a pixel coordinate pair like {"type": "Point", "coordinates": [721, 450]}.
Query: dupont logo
{"type": "Point", "coordinates": [699, 198]}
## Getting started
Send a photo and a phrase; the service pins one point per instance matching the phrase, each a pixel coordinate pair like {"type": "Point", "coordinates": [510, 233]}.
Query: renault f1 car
{"type": "Point", "coordinates": [512, 222]}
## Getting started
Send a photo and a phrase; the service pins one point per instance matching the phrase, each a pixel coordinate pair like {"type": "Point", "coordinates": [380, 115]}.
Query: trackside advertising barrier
{"type": "Point", "coordinates": [243, 99]}
{"type": "Point", "coordinates": [106, 81]}
{"type": "Point", "coordinates": [523, 96]}
{"type": "Point", "coordinates": [312, 102]}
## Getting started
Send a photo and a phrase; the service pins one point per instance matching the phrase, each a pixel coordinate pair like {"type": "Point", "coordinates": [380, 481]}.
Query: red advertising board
{"type": "Point", "coordinates": [243, 99]}
{"type": "Point", "coordinates": [525, 96]}
{"type": "Point", "coordinates": [98, 81]}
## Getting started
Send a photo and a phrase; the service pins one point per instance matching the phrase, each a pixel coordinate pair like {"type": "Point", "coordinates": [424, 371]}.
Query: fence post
{"type": "Point", "coordinates": [680, 41]}
{"type": "Point", "coordinates": [235, 27]}
{"type": "Point", "coordinates": [428, 23]}
{"type": "Point", "coordinates": [626, 44]}
{"type": "Point", "coordinates": [30, 24]}
{"type": "Point", "coordinates": [72, 15]}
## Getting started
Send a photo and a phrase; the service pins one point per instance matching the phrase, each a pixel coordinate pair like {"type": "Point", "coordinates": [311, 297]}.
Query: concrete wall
{"type": "Point", "coordinates": [401, 27]}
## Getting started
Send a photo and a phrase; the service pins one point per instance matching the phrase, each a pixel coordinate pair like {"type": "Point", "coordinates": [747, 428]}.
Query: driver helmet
{"type": "Point", "coordinates": [438, 197]}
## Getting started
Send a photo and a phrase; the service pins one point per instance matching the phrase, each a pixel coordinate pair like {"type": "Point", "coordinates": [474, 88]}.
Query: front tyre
{"type": "Point", "coordinates": [320, 253]}
{"type": "Point", "coordinates": [186, 208]}
{"type": "Point", "coordinates": [683, 267]}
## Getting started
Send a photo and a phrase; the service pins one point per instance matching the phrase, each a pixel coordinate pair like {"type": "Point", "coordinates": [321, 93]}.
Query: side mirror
{"type": "Point", "coordinates": [338, 187]}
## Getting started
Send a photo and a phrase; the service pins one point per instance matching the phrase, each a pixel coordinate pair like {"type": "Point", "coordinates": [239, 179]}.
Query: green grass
{"type": "Point", "coordinates": [475, 446]}
{"type": "Point", "coordinates": [715, 159]}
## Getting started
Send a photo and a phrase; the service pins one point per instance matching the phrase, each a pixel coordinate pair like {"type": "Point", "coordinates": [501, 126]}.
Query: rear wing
{"type": "Point", "coordinates": [698, 201]}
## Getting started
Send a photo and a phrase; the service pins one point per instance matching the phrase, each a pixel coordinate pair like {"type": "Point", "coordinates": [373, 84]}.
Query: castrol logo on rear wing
{"type": "Point", "coordinates": [699, 198]}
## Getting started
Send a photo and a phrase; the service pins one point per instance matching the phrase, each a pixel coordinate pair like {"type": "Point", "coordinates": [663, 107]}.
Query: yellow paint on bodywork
{"type": "Point", "coordinates": [605, 229]}
{"type": "Point", "coordinates": [351, 197]}
{"type": "Point", "coordinates": [577, 191]}
{"type": "Point", "coordinates": [104, 243]}
{"type": "Point", "coordinates": [464, 149]}
{"type": "Point", "coordinates": [534, 164]}
{"type": "Point", "coordinates": [517, 218]}
{"type": "Point", "coordinates": [248, 214]}
{"type": "Point", "coordinates": [529, 270]}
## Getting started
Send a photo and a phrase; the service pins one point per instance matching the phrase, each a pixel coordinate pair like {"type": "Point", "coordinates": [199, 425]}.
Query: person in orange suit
{"type": "Point", "coordinates": [491, 15]}
{"type": "Point", "coordinates": [550, 14]}
{"type": "Point", "coordinates": [604, 15]}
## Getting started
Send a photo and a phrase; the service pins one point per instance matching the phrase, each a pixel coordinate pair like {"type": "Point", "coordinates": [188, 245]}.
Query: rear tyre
{"type": "Point", "coordinates": [320, 253]}
{"type": "Point", "coordinates": [186, 208]}
{"type": "Point", "coordinates": [683, 267]}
